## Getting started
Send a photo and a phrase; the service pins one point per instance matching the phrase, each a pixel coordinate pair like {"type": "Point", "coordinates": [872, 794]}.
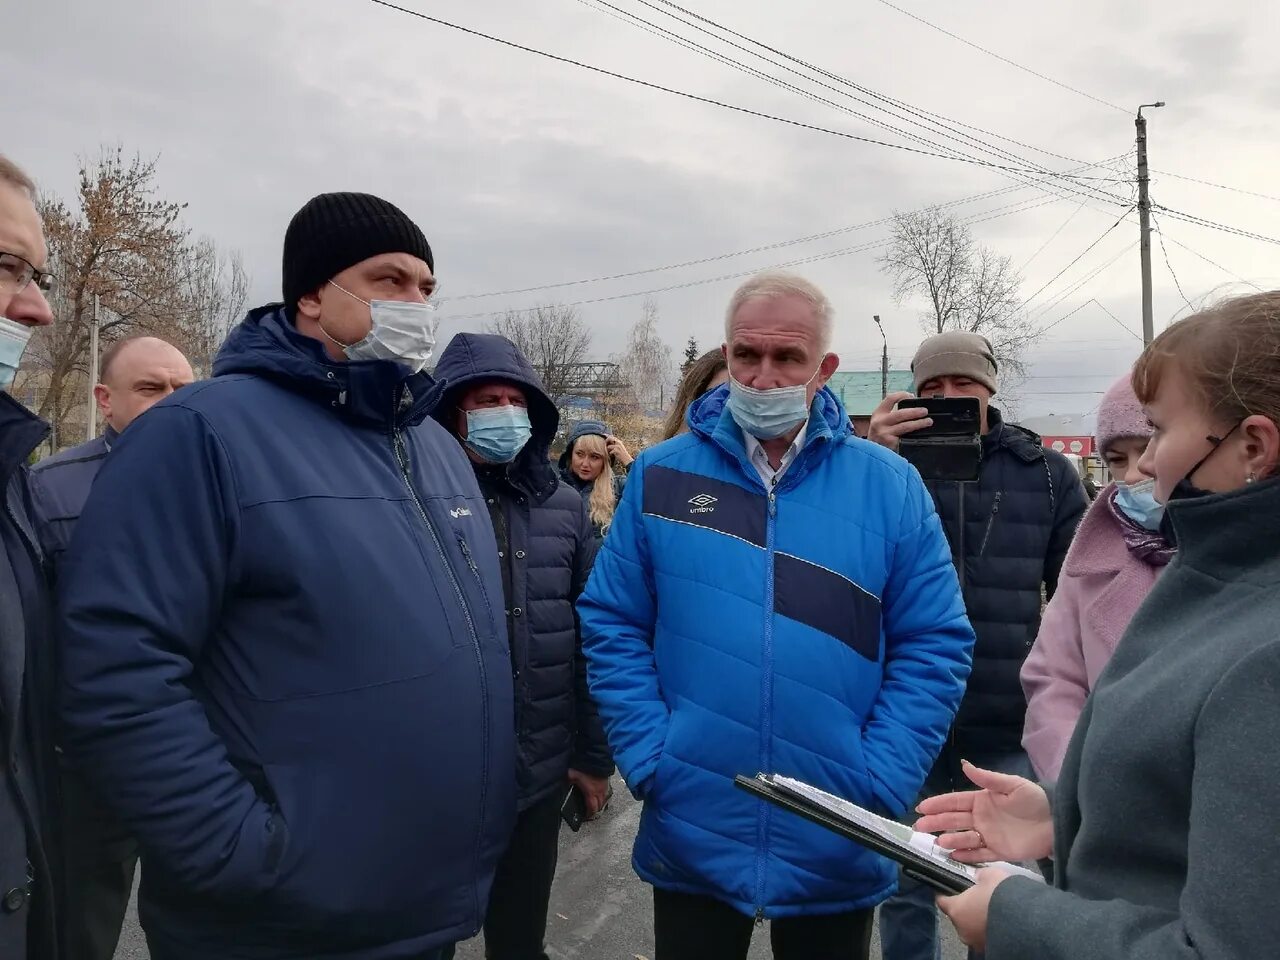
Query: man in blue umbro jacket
{"type": "Point", "coordinates": [284, 661]}
{"type": "Point", "coordinates": [774, 595]}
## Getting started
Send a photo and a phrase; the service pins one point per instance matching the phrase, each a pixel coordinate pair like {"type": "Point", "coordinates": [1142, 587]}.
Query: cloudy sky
{"type": "Point", "coordinates": [526, 172]}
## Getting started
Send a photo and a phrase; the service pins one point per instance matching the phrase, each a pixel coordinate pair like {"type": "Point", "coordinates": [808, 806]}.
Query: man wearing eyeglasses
{"type": "Point", "coordinates": [28, 853]}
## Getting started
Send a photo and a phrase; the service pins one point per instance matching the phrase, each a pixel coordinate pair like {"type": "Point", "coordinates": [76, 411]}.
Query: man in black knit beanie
{"type": "Point", "coordinates": [297, 693]}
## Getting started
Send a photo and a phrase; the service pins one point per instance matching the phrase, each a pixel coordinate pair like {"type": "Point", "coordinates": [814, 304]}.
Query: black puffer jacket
{"type": "Point", "coordinates": [546, 546]}
{"type": "Point", "coordinates": [1019, 519]}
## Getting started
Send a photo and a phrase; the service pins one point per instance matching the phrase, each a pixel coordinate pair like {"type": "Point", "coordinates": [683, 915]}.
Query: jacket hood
{"type": "Point", "coordinates": [265, 344]}
{"type": "Point", "coordinates": [474, 358]}
{"type": "Point", "coordinates": [583, 428]}
{"type": "Point", "coordinates": [1019, 441]}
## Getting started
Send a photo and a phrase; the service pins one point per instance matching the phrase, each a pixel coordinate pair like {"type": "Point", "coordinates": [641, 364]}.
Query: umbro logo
{"type": "Point", "coordinates": [702, 503]}
{"type": "Point", "coordinates": [457, 512]}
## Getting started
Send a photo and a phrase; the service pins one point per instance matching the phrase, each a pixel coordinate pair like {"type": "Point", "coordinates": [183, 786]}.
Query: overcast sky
{"type": "Point", "coordinates": [525, 172]}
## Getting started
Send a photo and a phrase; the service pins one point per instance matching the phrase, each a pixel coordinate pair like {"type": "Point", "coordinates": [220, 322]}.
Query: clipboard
{"type": "Point", "coordinates": [947, 877]}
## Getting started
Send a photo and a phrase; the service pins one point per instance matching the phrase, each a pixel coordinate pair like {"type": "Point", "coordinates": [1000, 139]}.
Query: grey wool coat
{"type": "Point", "coordinates": [1167, 812]}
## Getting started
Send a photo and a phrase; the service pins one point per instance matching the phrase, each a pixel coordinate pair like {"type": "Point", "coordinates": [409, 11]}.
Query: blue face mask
{"type": "Point", "coordinates": [768, 414]}
{"type": "Point", "coordinates": [13, 343]}
{"type": "Point", "coordinates": [498, 433]}
{"type": "Point", "coordinates": [1138, 502]}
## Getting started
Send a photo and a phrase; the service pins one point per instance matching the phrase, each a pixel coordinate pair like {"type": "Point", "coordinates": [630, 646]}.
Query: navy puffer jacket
{"type": "Point", "coordinates": [547, 547]}
{"type": "Point", "coordinates": [284, 665]}
{"type": "Point", "coordinates": [1019, 519]}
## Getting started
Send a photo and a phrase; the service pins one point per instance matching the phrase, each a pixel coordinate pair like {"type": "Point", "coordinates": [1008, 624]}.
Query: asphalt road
{"type": "Point", "coordinates": [599, 909]}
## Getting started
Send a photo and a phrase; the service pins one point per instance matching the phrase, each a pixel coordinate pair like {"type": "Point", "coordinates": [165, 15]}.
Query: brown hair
{"type": "Point", "coordinates": [693, 385]}
{"type": "Point", "coordinates": [10, 172]}
{"type": "Point", "coordinates": [1229, 353]}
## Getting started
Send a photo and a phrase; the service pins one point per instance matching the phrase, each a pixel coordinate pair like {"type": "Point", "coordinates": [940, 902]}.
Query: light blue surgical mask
{"type": "Point", "coordinates": [498, 434]}
{"type": "Point", "coordinates": [399, 330]}
{"type": "Point", "coordinates": [1138, 502]}
{"type": "Point", "coordinates": [14, 338]}
{"type": "Point", "coordinates": [768, 414]}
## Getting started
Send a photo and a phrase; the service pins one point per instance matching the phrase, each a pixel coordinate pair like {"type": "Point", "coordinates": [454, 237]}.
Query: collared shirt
{"type": "Point", "coordinates": [760, 460]}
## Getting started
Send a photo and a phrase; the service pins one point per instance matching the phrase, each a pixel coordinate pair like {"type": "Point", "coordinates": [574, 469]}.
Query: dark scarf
{"type": "Point", "coordinates": [1149, 546]}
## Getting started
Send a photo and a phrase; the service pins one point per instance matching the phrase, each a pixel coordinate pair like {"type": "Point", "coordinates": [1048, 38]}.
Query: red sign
{"type": "Point", "coordinates": [1080, 446]}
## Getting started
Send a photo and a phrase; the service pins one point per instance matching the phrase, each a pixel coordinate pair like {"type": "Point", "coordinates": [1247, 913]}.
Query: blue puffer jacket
{"type": "Point", "coordinates": [816, 632]}
{"type": "Point", "coordinates": [283, 666]}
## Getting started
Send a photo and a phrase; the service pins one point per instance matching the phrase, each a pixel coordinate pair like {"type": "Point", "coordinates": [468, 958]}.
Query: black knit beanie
{"type": "Point", "coordinates": [338, 230]}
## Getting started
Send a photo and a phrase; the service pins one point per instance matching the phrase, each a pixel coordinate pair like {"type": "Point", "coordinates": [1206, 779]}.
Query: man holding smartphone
{"type": "Point", "coordinates": [1009, 533]}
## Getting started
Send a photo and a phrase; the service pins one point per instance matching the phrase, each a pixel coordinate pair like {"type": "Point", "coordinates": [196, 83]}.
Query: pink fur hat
{"type": "Point", "coordinates": [1120, 415]}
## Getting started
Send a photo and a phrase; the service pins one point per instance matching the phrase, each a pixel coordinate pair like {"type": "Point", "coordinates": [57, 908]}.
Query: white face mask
{"type": "Point", "coordinates": [766, 414]}
{"type": "Point", "coordinates": [401, 330]}
{"type": "Point", "coordinates": [14, 338]}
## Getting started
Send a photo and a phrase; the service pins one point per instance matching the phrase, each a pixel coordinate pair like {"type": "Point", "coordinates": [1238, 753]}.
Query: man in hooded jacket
{"type": "Point", "coordinates": [496, 405]}
{"type": "Point", "coordinates": [295, 693]}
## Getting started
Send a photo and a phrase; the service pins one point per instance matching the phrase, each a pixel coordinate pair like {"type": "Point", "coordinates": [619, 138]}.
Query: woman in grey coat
{"type": "Point", "coordinates": [1163, 823]}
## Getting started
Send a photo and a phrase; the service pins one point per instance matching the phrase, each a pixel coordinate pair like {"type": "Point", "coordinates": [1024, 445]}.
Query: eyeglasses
{"type": "Point", "coordinates": [16, 272]}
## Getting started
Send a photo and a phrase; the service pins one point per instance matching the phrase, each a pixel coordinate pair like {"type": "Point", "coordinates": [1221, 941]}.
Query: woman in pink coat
{"type": "Point", "coordinates": [1113, 562]}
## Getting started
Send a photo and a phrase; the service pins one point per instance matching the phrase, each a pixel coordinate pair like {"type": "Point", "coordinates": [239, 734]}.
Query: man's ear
{"type": "Point", "coordinates": [309, 305]}
{"type": "Point", "coordinates": [102, 394]}
{"type": "Point", "coordinates": [830, 363]}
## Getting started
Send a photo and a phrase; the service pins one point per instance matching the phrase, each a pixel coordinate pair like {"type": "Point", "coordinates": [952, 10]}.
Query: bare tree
{"type": "Point", "coordinates": [122, 244]}
{"type": "Point", "coordinates": [215, 291]}
{"type": "Point", "coordinates": [554, 338]}
{"type": "Point", "coordinates": [646, 362]}
{"type": "Point", "coordinates": [968, 286]}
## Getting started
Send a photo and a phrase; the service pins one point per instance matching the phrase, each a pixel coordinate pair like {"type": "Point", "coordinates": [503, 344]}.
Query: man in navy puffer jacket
{"type": "Point", "coordinates": [496, 405]}
{"type": "Point", "coordinates": [296, 693]}
{"type": "Point", "coordinates": [775, 595]}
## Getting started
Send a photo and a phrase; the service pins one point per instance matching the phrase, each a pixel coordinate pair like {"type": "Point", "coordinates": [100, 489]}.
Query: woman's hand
{"type": "Point", "coordinates": [618, 450]}
{"type": "Point", "coordinates": [968, 911]}
{"type": "Point", "coordinates": [1007, 819]}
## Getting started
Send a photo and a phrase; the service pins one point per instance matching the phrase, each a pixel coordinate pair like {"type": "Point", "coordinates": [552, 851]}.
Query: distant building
{"type": "Point", "coordinates": [861, 392]}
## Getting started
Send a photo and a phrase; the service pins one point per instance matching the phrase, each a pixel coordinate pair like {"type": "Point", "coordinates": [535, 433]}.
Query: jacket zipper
{"type": "Point", "coordinates": [766, 701]}
{"type": "Point", "coordinates": [991, 522]}
{"type": "Point", "coordinates": [960, 564]}
{"type": "Point", "coordinates": [398, 447]}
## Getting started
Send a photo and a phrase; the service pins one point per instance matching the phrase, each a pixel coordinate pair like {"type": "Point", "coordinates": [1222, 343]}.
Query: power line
{"type": "Point", "coordinates": [1012, 63]}
{"type": "Point", "coordinates": [1123, 326]}
{"type": "Point", "coordinates": [1216, 186]}
{"type": "Point", "coordinates": [1164, 250]}
{"type": "Point", "coordinates": [1053, 236]}
{"type": "Point", "coordinates": [829, 255]}
{"type": "Point", "coordinates": [712, 102]}
{"type": "Point", "coordinates": [934, 119]}
{"type": "Point", "coordinates": [1080, 257]}
{"type": "Point", "coordinates": [1214, 225]}
{"type": "Point", "coordinates": [762, 248]}
{"type": "Point", "coordinates": [1214, 263]}
{"type": "Point", "coordinates": [1078, 286]}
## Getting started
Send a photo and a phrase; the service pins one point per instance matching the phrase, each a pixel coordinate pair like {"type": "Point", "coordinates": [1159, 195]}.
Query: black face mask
{"type": "Point", "coordinates": [1185, 489]}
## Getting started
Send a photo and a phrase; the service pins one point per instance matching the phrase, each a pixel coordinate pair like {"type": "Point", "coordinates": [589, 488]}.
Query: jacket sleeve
{"type": "Point", "coordinates": [1070, 503]}
{"type": "Point", "coordinates": [591, 746]}
{"type": "Point", "coordinates": [619, 611]}
{"type": "Point", "coordinates": [1227, 907]}
{"type": "Point", "coordinates": [140, 593]}
{"type": "Point", "coordinates": [1056, 683]}
{"type": "Point", "coordinates": [928, 648]}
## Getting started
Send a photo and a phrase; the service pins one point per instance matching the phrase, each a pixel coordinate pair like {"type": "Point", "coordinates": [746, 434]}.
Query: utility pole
{"type": "Point", "coordinates": [884, 360]}
{"type": "Point", "coordinates": [93, 372]}
{"type": "Point", "coordinates": [1144, 223]}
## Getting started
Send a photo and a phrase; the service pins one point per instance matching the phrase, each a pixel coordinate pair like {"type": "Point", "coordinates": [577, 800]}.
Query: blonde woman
{"type": "Point", "coordinates": [587, 466]}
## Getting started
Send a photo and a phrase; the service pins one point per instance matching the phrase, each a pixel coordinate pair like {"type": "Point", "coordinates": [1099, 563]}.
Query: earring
{"type": "Point", "coordinates": [1251, 478]}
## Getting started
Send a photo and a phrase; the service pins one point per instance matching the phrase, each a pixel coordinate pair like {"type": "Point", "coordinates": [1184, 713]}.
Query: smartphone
{"type": "Point", "coordinates": [951, 447]}
{"type": "Point", "coordinates": [573, 809]}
